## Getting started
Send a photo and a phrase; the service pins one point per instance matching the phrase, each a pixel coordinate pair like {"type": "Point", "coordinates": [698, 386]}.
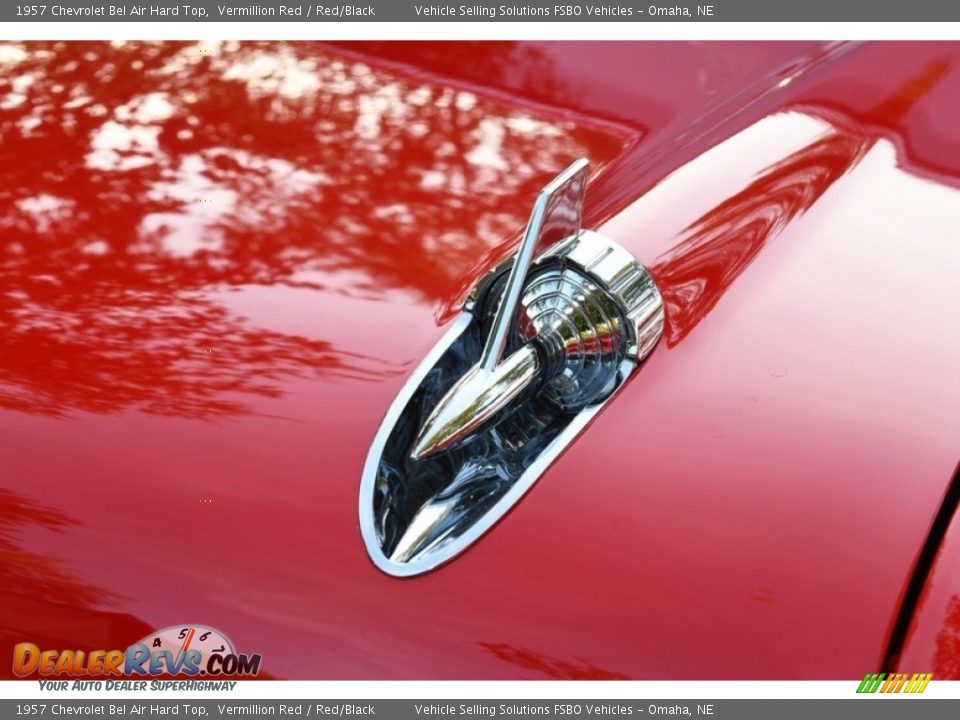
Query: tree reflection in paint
{"type": "Point", "coordinates": [35, 575]}
{"type": "Point", "coordinates": [140, 180]}
{"type": "Point", "coordinates": [42, 600]}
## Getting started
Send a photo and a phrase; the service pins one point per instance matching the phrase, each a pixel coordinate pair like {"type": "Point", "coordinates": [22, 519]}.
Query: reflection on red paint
{"type": "Point", "coordinates": [717, 248]}
{"type": "Point", "coordinates": [219, 267]}
{"type": "Point", "coordinates": [139, 177]}
{"type": "Point", "coordinates": [694, 274]}
{"type": "Point", "coordinates": [32, 574]}
{"type": "Point", "coordinates": [42, 599]}
{"type": "Point", "coordinates": [553, 668]}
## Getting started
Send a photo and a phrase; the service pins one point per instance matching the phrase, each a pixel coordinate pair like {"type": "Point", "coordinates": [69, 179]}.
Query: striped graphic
{"type": "Point", "coordinates": [895, 682]}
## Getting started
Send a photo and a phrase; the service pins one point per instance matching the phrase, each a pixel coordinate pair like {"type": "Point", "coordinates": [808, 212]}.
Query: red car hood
{"type": "Point", "coordinates": [220, 263]}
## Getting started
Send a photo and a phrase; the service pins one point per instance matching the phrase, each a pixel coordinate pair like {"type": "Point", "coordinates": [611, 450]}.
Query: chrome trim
{"type": "Point", "coordinates": [431, 560]}
{"type": "Point", "coordinates": [588, 315]}
{"type": "Point", "coordinates": [556, 214]}
{"type": "Point", "coordinates": [619, 274]}
{"type": "Point", "coordinates": [368, 481]}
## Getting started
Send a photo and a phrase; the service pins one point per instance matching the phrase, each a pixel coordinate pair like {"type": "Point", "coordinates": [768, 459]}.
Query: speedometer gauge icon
{"type": "Point", "coordinates": [184, 638]}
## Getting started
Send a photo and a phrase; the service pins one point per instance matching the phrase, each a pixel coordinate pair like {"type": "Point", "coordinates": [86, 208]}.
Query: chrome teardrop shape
{"type": "Point", "coordinates": [416, 514]}
{"type": "Point", "coordinates": [496, 401]}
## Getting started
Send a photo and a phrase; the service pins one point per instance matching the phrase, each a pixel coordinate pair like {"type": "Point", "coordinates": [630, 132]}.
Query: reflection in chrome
{"type": "Point", "coordinates": [485, 414]}
{"type": "Point", "coordinates": [476, 398]}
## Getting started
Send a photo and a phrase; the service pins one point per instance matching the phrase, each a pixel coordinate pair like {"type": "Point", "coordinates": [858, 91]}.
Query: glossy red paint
{"type": "Point", "coordinates": [220, 263]}
{"type": "Point", "coordinates": [933, 637]}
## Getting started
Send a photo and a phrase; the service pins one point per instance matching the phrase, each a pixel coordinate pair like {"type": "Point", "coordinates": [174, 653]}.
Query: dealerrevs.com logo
{"type": "Point", "coordinates": [189, 651]}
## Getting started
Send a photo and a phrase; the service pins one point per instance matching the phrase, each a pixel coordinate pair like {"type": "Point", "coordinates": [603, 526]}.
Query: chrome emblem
{"type": "Point", "coordinates": [544, 342]}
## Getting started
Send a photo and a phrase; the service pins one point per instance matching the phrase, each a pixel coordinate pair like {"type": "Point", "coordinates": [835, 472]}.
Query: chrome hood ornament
{"type": "Point", "coordinates": [545, 340]}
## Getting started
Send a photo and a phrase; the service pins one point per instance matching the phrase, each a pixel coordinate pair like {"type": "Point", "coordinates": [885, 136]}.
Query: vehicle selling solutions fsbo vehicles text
{"type": "Point", "coordinates": [565, 10]}
{"type": "Point", "coordinates": [609, 709]}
